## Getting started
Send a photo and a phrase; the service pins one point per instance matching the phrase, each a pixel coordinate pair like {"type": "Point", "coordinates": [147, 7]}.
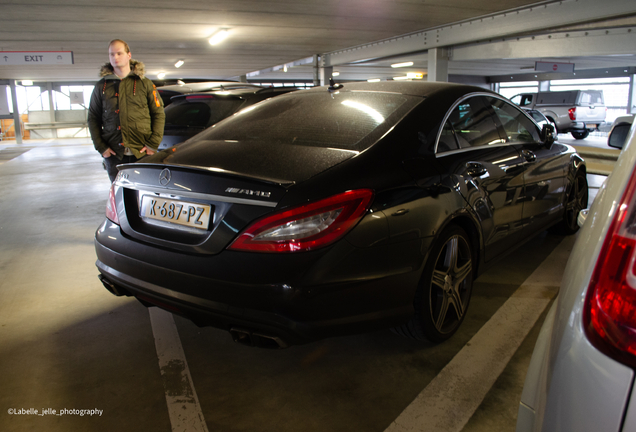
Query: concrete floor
{"type": "Point", "coordinates": [67, 343]}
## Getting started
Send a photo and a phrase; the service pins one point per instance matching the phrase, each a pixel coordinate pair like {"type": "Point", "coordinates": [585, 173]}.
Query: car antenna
{"type": "Point", "coordinates": [333, 86]}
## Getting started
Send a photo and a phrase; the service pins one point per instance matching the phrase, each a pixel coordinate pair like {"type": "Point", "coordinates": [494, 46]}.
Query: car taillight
{"type": "Point", "coordinates": [306, 227]}
{"type": "Point", "coordinates": [610, 310]}
{"type": "Point", "coordinates": [111, 208]}
{"type": "Point", "coordinates": [572, 113]}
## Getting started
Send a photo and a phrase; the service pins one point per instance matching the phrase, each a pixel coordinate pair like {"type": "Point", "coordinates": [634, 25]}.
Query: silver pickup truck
{"type": "Point", "coordinates": [574, 111]}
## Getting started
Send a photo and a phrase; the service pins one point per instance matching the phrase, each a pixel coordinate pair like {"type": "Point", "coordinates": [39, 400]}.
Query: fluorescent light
{"type": "Point", "coordinates": [335, 74]}
{"type": "Point", "coordinates": [219, 36]}
{"type": "Point", "coordinates": [399, 65]}
{"type": "Point", "coordinates": [374, 80]}
{"type": "Point", "coordinates": [415, 75]}
{"type": "Point", "coordinates": [179, 64]}
{"type": "Point", "coordinates": [27, 82]}
{"type": "Point", "coordinates": [285, 68]}
{"type": "Point", "coordinates": [400, 78]}
{"type": "Point", "coordinates": [161, 75]}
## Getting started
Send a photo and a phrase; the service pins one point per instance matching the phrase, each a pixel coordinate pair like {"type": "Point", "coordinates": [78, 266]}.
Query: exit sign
{"type": "Point", "coordinates": [35, 58]}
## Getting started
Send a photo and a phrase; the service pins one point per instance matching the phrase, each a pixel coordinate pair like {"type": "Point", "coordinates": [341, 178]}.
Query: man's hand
{"type": "Point", "coordinates": [147, 150]}
{"type": "Point", "coordinates": [108, 153]}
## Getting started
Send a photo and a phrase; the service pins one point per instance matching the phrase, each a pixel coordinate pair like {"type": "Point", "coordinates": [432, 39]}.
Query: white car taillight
{"type": "Point", "coordinates": [610, 310]}
{"type": "Point", "coordinates": [111, 208]}
{"type": "Point", "coordinates": [306, 227]}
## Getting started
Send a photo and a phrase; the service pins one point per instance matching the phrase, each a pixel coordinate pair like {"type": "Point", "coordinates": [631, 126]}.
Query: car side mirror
{"type": "Point", "coordinates": [547, 135]}
{"type": "Point", "coordinates": [618, 135]}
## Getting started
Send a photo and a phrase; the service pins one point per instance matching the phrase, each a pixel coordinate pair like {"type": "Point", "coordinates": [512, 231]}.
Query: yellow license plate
{"type": "Point", "coordinates": [193, 215]}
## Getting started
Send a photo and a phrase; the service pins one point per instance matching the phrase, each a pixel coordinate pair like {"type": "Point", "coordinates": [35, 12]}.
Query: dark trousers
{"type": "Point", "coordinates": [110, 165]}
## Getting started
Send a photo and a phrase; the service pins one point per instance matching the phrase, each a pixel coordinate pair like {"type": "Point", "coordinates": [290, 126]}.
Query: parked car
{"type": "Point", "coordinates": [575, 111]}
{"type": "Point", "coordinates": [337, 210]}
{"type": "Point", "coordinates": [168, 91]}
{"type": "Point", "coordinates": [189, 114]}
{"type": "Point", "coordinates": [619, 132]}
{"type": "Point", "coordinates": [581, 375]}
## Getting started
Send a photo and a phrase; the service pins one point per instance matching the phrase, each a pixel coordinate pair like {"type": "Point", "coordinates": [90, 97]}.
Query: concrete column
{"type": "Point", "coordinates": [325, 74]}
{"type": "Point", "coordinates": [631, 96]}
{"type": "Point", "coordinates": [438, 65]}
{"type": "Point", "coordinates": [17, 127]}
{"type": "Point", "coordinates": [49, 89]}
{"type": "Point", "coordinates": [544, 86]}
{"type": "Point", "coordinates": [316, 70]}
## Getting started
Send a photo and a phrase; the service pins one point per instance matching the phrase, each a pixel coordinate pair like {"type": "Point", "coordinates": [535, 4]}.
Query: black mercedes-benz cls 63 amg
{"type": "Point", "coordinates": [337, 210]}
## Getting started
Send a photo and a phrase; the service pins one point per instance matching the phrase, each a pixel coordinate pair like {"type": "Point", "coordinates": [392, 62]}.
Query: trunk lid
{"type": "Point", "coordinates": [190, 209]}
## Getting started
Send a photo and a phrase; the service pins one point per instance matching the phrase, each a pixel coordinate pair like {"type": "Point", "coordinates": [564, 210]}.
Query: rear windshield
{"type": "Point", "coordinates": [200, 111]}
{"type": "Point", "coordinates": [344, 120]}
{"type": "Point", "coordinates": [591, 98]}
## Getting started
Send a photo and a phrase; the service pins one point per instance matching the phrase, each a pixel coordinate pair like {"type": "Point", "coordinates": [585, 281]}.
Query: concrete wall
{"type": "Point", "coordinates": [60, 116]}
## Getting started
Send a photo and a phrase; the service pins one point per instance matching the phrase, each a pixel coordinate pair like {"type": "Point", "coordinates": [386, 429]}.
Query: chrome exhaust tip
{"type": "Point", "coordinates": [249, 338]}
{"type": "Point", "coordinates": [114, 289]}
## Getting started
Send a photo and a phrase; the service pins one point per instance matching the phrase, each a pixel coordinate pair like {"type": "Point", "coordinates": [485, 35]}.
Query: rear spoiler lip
{"type": "Point", "coordinates": [278, 182]}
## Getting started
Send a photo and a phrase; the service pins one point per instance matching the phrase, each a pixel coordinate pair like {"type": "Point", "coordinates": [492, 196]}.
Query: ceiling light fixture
{"type": "Point", "coordinates": [335, 74]}
{"type": "Point", "coordinates": [27, 82]}
{"type": "Point", "coordinates": [161, 75]}
{"type": "Point", "coordinates": [179, 64]}
{"type": "Point", "coordinates": [400, 78]}
{"type": "Point", "coordinates": [399, 65]}
{"type": "Point", "coordinates": [374, 80]}
{"type": "Point", "coordinates": [219, 36]}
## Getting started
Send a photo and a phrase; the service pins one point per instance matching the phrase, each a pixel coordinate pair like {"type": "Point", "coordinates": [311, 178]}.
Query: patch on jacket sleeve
{"type": "Point", "coordinates": [154, 93]}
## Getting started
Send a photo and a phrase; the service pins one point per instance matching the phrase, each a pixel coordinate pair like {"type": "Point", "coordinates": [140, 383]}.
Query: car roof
{"type": "Point", "coordinates": [414, 88]}
{"type": "Point", "coordinates": [207, 86]}
{"type": "Point", "coordinates": [239, 92]}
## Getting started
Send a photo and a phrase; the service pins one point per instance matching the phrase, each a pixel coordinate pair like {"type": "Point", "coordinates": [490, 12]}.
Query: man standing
{"type": "Point", "coordinates": [125, 116]}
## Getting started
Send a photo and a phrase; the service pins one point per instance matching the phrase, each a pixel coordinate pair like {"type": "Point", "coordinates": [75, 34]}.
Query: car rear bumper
{"type": "Point", "coordinates": [302, 304]}
{"type": "Point", "coordinates": [580, 126]}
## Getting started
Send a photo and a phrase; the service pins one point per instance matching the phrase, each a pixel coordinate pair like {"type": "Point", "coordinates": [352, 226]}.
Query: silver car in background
{"type": "Point", "coordinates": [581, 375]}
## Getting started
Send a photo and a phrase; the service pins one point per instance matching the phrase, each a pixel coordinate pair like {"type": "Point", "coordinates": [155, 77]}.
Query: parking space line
{"type": "Point", "coordinates": [453, 396]}
{"type": "Point", "coordinates": [183, 404]}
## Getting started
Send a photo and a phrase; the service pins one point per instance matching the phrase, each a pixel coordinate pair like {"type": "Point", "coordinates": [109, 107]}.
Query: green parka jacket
{"type": "Point", "coordinates": [125, 112]}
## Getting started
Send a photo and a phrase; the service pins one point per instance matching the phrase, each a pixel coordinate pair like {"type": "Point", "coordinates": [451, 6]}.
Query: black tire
{"type": "Point", "coordinates": [576, 200]}
{"type": "Point", "coordinates": [444, 291]}
{"type": "Point", "coordinates": [580, 135]}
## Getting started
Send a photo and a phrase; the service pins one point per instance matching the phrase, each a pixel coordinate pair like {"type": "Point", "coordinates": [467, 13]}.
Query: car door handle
{"type": "Point", "coordinates": [400, 212]}
{"type": "Point", "coordinates": [475, 169]}
{"type": "Point", "coordinates": [528, 155]}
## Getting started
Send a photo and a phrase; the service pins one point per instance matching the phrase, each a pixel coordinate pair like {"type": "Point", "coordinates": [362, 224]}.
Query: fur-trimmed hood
{"type": "Point", "coordinates": [136, 68]}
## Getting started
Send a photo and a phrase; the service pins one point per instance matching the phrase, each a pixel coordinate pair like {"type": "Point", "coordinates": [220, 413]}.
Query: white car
{"type": "Point", "coordinates": [581, 375]}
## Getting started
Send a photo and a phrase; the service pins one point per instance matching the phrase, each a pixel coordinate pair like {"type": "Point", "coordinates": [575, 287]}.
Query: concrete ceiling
{"type": "Point", "coordinates": [267, 34]}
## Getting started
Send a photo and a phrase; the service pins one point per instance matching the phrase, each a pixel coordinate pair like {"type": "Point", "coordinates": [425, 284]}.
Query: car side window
{"type": "Point", "coordinates": [538, 118]}
{"type": "Point", "coordinates": [472, 124]}
{"type": "Point", "coordinates": [525, 100]}
{"type": "Point", "coordinates": [519, 128]}
{"type": "Point", "coordinates": [447, 141]}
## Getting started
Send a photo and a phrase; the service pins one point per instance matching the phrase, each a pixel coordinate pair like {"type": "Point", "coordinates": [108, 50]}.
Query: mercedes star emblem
{"type": "Point", "coordinates": [165, 176]}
